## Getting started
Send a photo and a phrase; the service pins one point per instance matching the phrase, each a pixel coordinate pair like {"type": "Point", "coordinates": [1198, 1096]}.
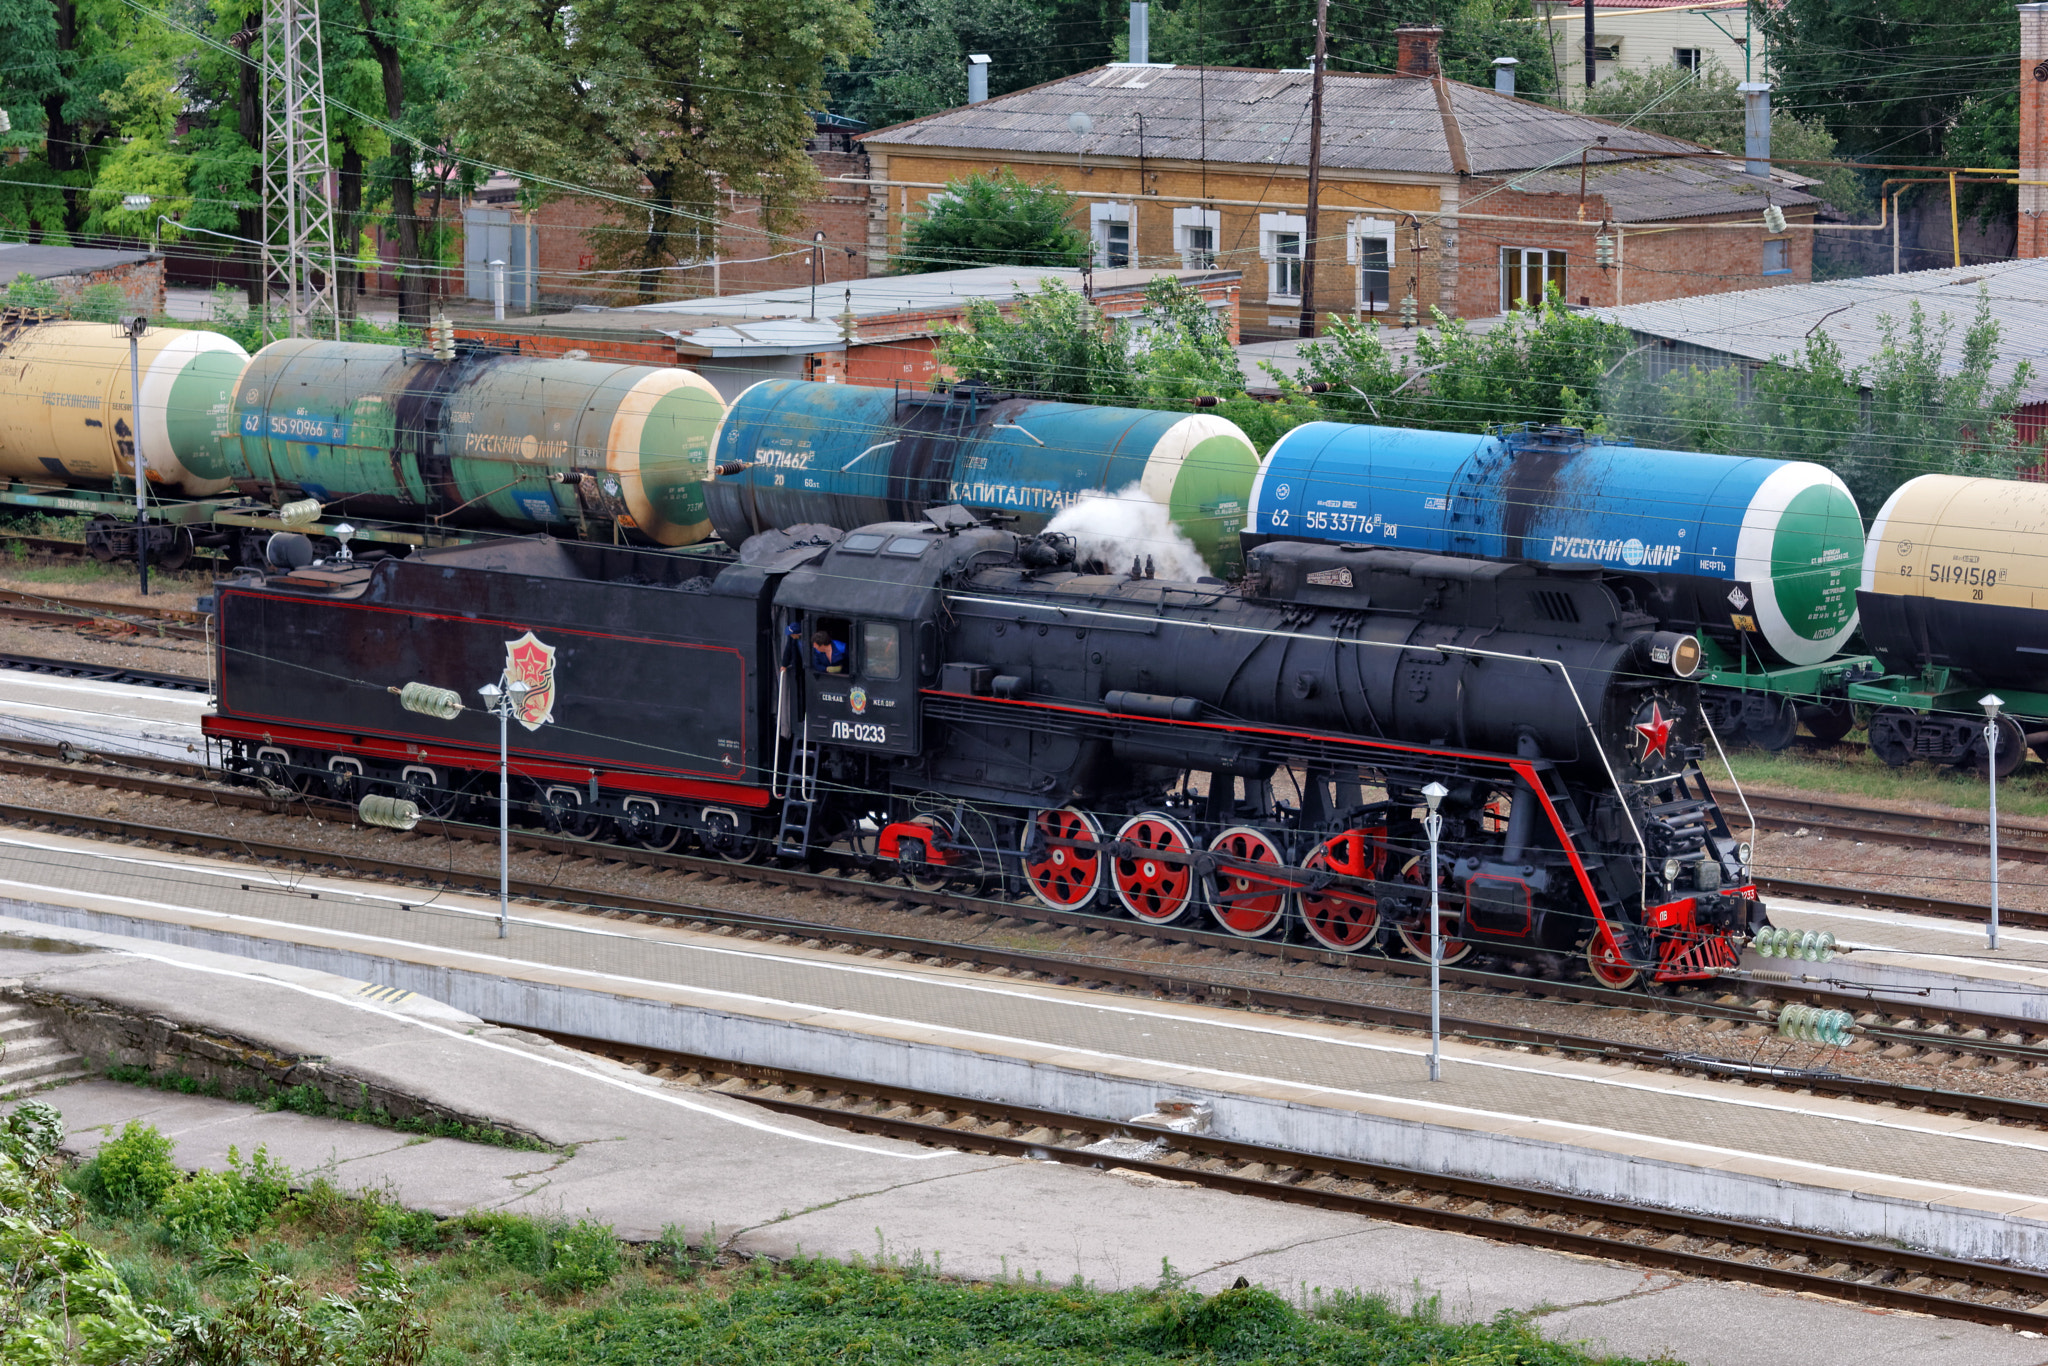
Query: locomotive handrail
{"type": "Point", "coordinates": [1729, 769]}
{"type": "Point", "coordinates": [1613, 779]}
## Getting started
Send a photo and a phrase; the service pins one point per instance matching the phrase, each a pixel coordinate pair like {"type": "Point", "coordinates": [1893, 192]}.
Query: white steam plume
{"type": "Point", "coordinates": [1129, 524]}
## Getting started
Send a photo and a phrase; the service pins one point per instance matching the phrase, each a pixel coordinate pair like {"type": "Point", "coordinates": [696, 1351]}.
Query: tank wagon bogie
{"type": "Point", "coordinates": [1756, 557]}
{"type": "Point", "coordinates": [964, 706]}
{"type": "Point", "coordinates": [793, 453]}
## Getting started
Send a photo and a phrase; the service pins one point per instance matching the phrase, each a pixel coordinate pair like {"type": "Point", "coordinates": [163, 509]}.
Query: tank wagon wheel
{"type": "Point", "coordinates": [1770, 723]}
{"type": "Point", "coordinates": [1887, 741]}
{"type": "Point", "coordinates": [1341, 920]}
{"type": "Point", "coordinates": [1153, 870]}
{"type": "Point", "coordinates": [1065, 878]}
{"type": "Point", "coordinates": [1609, 968]}
{"type": "Point", "coordinates": [2012, 749]}
{"type": "Point", "coordinates": [1449, 920]}
{"type": "Point", "coordinates": [98, 538]}
{"type": "Point", "coordinates": [177, 554]}
{"type": "Point", "coordinates": [1828, 722]}
{"type": "Point", "coordinates": [1241, 901]}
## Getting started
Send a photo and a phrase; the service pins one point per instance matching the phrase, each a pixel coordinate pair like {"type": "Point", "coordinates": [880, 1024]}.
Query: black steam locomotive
{"type": "Point", "coordinates": [966, 706]}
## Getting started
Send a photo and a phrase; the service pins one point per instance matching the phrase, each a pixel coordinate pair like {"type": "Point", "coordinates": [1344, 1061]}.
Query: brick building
{"type": "Point", "coordinates": [883, 330]}
{"type": "Point", "coordinates": [70, 271]}
{"type": "Point", "coordinates": [1433, 191]}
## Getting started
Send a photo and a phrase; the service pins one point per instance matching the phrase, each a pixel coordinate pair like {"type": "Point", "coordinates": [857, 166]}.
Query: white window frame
{"type": "Point", "coordinates": [1699, 59]}
{"type": "Point", "coordinates": [1100, 216]}
{"type": "Point", "coordinates": [1564, 265]}
{"type": "Point", "coordinates": [1186, 220]}
{"type": "Point", "coordinates": [1272, 227]}
{"type": "Point", "coordinates": [1355, 233]}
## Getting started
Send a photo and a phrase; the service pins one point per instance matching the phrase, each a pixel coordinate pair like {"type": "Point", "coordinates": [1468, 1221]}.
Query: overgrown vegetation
{"type": "Point", "coordinates": [993, 220]}
{"type": "Point", "coordinates": [135, 1263]}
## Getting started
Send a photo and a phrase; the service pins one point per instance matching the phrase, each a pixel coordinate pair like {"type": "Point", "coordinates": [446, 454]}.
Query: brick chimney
{"type": "Point", "coordinates": [2033, 129]}
{"type": "Point", "coordinates": [1417, 52]}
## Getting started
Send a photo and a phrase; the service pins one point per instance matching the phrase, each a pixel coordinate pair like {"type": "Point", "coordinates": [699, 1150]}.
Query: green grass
{"type": "Point", "coordinates": [507, 1290]}
{"type": "Point", "coordinates": [1851, 770]}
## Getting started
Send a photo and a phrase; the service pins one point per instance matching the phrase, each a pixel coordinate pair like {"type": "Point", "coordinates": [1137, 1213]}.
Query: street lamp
{"type": "Point", "coordinates": [1992, 702]}
{"type": "Point", "coordinates": [1433, 826]}
{"type": "Point", "coordinates": [502, 700]}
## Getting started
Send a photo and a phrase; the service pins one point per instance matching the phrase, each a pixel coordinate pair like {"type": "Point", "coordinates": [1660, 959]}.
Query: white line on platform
{"type": "Point", "coordinates": [133, 691]}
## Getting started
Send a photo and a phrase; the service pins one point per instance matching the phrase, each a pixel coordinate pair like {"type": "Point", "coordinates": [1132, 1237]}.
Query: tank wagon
{"type": "Point", "coordinates": [1953, 592]}
{"type": "Point", "coordinates": [958, 703]}
{"type": "Point", "coordinates": [1757, 557]}
{"type": "Point", "coordinates": [793, 452]}
{"type": "Point", "coordinates": [67, 440]}
{"type": "Point", "coordinates": [586, 448]}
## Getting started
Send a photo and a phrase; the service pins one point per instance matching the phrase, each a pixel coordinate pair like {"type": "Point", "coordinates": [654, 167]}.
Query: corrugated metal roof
{"type": "Point", "coordinates": [45, 263]}
{"type": "Point", "coordinates": [937, 291]}
{"type": "Point", "coordinates": [1651, 191]}
{"type": "Point", "coordinates": [1764, 323]}
{"type": "Point", "coordinates": [1252, 117]}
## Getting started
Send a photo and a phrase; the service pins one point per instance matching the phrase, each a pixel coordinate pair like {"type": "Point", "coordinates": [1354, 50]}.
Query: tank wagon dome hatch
{"type": "Point", "coordinates": [72, 415]}
{"type": "Point", "coordinates": [1760, 554]}
{"type": "Point", "coordinates": [485, 439]}
{"type": "Point", "coordinates": [793, 451]}
{"type": "Point", "coordinates": [1955, 574]}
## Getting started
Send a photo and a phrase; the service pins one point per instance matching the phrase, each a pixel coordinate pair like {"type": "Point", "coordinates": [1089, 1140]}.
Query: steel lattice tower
{"type": "Point", "coordinates": [298, 222]}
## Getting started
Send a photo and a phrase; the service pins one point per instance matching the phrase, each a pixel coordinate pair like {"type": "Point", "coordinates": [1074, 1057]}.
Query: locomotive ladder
{"type": "Point", "coordinates": [793, 835]}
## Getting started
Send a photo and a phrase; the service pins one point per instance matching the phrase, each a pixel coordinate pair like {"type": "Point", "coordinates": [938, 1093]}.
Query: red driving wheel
{"type": "Point", "coordinates": [1244, 902]}
{"type": "Point", "coordinates": [1607, 965]}
{"type": "Point", "coordinates": [1153, 871]}
{"type": "Point", "coordinates": [1335, 917]}
{"type": "Point", "coordinates": [1449, 918]}
{"type": "Point", "coordinates": [1065, 877]}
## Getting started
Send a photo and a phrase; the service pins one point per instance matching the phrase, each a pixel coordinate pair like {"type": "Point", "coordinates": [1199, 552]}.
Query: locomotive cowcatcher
{"type": "Point", "coordinates": [969, 708]}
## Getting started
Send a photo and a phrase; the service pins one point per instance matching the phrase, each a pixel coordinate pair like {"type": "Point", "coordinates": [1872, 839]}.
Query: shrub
{"type": "Point", "coordinates": [566, 1257]}
{"type": "Point", "coordinates": [130, 1173]}
{"type": "Point", "coordinates": [213, 1207]}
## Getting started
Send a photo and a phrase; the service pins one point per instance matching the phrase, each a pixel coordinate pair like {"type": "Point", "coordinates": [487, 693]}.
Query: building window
{"type": "Point", "coordinates": [1283, 280]}
{"type": "Point", "coordinates": [1195, 234]}
{"type": "Point", "coordinates": [1686, 59]}
{"type": "Point", "coordinates": [1110, 226]}
{"type": "Point", "coordinates": [1778, 256]}
{"type": "Point", "coordinates": [1525, 272]}
{"type": "Point", "coordinates": [1375, 273]}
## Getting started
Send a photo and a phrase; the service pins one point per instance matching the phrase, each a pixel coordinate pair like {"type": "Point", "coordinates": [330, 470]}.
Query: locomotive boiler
{"type": "Point", "coordinates": [793, 452]}
{"type": "Point", "coordinates": [962, 704]}
{"type": "Point", "coordinates": [1757, 557]}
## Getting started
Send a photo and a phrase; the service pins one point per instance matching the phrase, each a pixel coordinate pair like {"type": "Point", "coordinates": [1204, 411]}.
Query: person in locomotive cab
{"type": "Point", "coordinates": [828, 652]}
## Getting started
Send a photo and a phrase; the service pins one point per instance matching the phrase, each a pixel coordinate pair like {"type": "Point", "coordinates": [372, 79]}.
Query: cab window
{"type": "Point", "coordinates": [828, 641]}
{"type": "Point", "coordinates": [881, 651]}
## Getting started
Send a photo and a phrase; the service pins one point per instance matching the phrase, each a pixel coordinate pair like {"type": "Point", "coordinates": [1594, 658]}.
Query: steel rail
{"type": "Point", "coordinates": [1592, 1240]}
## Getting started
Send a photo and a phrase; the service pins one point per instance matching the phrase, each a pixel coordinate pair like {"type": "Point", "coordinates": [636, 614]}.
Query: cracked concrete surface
{"type": "Point", "coordinates": [641, 1157]}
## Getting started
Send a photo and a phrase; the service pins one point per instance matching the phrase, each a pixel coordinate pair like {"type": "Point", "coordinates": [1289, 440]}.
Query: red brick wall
{"type": "Point", "coordinates": [1656, 261]}
{"type": "Point", "coordinates": [141, 284]}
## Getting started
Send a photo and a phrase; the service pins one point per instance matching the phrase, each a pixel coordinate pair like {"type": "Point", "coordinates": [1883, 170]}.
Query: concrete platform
{"type": "Point", "coordinates": [644, 1156]}
{"type": "Point", "coordinates": [1956, 1186]}
{"type": "Point", "coordinates": [1922, 961]}
{"type": "Point", "coordinates": [119, 718]}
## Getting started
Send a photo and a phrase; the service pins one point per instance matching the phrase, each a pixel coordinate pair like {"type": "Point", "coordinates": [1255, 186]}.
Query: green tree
{"type": "Point", "coordinates": [919, 62]}
{"type": "Point", "coordinates": [993, 220]}
{"type": "Point", "coordinates": [1707, 108]}
{"type": "Point", "coordinates": [665, 106]}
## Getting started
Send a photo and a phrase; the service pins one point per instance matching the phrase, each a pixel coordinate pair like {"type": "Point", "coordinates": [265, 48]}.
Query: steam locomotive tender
{"type": "Point", "coordinates": [962, 705]}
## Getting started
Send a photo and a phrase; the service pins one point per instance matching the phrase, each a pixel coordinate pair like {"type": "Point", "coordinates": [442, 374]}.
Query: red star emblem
{"type": "Point", "coordinates": [1656, 731]}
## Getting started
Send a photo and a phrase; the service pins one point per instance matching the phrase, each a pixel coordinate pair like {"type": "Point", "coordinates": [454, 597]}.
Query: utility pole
{"type": "Point", "coordinates": [1315, 173]}
{"type": "Point", "coordinates": [299, 255]}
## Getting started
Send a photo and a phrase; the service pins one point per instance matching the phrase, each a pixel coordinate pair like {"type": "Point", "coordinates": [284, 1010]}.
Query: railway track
{"type": "Point", "coordinates": [1870, 1273]}
{"type": "Point", "coordinates": [102, 673]}
{"type": "Point", "coordinates": [2021, 840]}
{"type": "Point", "coordinates": [1994, 1041]}
{"type": "Point", "coordinates": [49, 609]}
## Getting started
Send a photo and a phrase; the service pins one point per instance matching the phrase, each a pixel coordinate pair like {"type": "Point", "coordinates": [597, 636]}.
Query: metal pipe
{"type": "Point", "coordinates": [1141, 32]}
{"type": "Point", "coordinates": [1433, 826]}
{"type": "Point", "coordinates": [1955, 223]}
{"type": "Point", "coordinates": [1756, 127]}
{"type": "Point", "coordinates": [1592, 49]}
{"type": "Point", "coordinates": [977, 77]}
{"type": "Point", "coordinates": [498, 290]}
{"type": "Point", "coordinates": [1992, 702]}
{"type": "Point", "coordinates": [504, 710]}
{"type": "Point", "coordinates": [136, 463]}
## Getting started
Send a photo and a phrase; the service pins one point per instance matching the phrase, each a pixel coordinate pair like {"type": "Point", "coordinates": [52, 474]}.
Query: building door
{"type": "Point", "coordinates": [1525, 272]}
{"type": "Point", "coordinates": [494, 235]}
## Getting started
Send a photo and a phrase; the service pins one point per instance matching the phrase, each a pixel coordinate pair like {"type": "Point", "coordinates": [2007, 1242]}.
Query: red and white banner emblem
{"type": "Point", "coordinates": [530, 662]}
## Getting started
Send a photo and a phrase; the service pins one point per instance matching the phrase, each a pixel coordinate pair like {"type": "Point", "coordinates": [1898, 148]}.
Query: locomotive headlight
{"type": "Point", "coordinates": [1742, 853]}
{"type": "Point", "coordinates": [1672, 868]}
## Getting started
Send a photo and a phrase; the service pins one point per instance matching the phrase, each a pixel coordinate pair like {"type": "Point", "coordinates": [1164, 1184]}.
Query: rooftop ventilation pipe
{"type": "Point", "coordinates": [1504, 74]}
{"type": "Point", "coordinates": [1141, 32]}
{"type": "Point", "coordinates": [1756, 127]}
{"type": "Point", "coordinates": [977, 77]}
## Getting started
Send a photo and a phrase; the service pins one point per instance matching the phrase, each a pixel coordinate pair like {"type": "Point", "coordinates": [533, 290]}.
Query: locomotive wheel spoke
{"type": "Point", "coordinates": [1336, 918]}
{"type": "Point", "coordinates": [1153, 871]}
{"type": "Point", "coordinates": [1449, 922]}
{"type": "Point", "coordinates": [1064, 877]}
{"type": "Point", "coordinates": [1243, 902]}
{"type": "Point", "coordinates": [1607, 965]}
